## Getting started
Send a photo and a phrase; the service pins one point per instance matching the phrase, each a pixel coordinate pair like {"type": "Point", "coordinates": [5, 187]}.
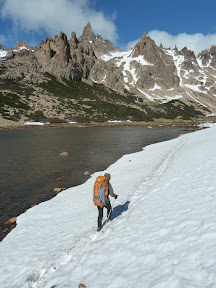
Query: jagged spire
{"type": "Point", "coordinates": [74, 40]}
{"type": "Point", "coordinates": [145, 40]}
{"type": "Point", "coordinates": [88, 26]}
{"type": "Point", "coordinates": [88, 34]}
{"type": "Point", "coordinates": [144, 36]}
{"type": "Point", "coordinates": [21, 44]}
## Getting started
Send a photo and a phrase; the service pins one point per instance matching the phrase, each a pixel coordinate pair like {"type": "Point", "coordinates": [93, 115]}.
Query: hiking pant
{"type": "Point", "coordinates": [100, 213]}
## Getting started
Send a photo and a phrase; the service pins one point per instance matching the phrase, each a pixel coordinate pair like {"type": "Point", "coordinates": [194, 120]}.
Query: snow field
{"type": "Point", "coordinates": [163, 233]}
{"type": "Point", "coordinates": [127, 61]}
{"type": "Point", "coordinates": [178, 60]}
{"type": "Point", "coordinates": [36, 123]}
{"type": "Point", "coordinates": [3, 53]}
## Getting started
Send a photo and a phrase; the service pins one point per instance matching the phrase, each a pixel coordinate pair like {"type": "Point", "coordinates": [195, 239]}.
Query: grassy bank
{"type": "Point", "coordinates": [160, 122]}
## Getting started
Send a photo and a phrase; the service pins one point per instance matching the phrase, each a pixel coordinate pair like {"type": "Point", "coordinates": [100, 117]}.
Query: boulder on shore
{"type": "Point", "coordinates": [57, 190]}
{"type": "Point", "coordinates": [11, 220]}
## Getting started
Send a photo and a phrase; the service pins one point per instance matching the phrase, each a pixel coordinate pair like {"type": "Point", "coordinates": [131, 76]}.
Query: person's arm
{"type": "Point", "coordinates": [111, 192]}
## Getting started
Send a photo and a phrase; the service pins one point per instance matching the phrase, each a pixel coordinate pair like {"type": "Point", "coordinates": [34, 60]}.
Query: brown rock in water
{"type": "Point", "coordinates": [86, 173]}
{"type": "Point", "coordinates": [65, 154]}
{"type": "Point", "coordinates": [12, 227]}
{"type": "Point", "coordinates": [57, 190]}
{"type": "Point", "coordinates": [11, 220]}
{"type": "Point", "coordinates": [8, 230]}
{"type": "Point", "coordinates": [60, 179]}
{"type": "Point", "coordinates": [82, 285]}
{"type": "Point", "coordinates": [5, 230]}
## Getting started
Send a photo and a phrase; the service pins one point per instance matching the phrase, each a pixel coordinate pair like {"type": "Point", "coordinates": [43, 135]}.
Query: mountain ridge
{"type": "Point", "coordinates": [147, 73]}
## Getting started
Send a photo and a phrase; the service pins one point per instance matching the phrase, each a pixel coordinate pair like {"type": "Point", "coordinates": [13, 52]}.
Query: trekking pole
{"type": "Point", "coordinates": [111, 209]}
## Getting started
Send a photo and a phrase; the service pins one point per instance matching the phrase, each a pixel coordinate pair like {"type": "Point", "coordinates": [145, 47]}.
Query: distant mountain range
{"type": "Point", "coordinates": [88, 79]}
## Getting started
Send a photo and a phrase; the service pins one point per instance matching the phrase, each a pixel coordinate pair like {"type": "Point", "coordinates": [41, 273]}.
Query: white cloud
{"type": "Point", "coordinates": [195, 42]}
{"type": "Point", "coordinates": [54, 16]}
{"type": "Point", "coordinates": [131, 44]}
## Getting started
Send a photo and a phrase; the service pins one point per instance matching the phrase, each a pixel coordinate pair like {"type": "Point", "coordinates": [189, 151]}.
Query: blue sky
{"type": "Point", "coordinates": [185, 23]}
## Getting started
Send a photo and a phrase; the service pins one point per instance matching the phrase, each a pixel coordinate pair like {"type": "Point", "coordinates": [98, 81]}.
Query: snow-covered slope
{"type": "Point", "coordinates": [161, 75]}
{"type": "Point", "coordinates": [163, 233]}
{"type": "Point", "coordinates": [3, 53]}
{"type": "Point", "coordinates": [195, 82]}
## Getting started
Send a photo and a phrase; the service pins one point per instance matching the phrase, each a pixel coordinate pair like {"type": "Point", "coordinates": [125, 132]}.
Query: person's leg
{"type": "Point", "coordinates": [100, 217]}
{"type": "Point", "coordinates": [109, 210]}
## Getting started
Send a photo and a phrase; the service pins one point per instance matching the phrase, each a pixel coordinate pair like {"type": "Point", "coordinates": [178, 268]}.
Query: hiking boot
{"type": "Point", "coordinates": [98, 229]}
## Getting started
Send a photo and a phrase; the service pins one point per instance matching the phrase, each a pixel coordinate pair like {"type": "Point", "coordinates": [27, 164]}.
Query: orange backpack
{"type": "Point", "coordinates": [100, 192]}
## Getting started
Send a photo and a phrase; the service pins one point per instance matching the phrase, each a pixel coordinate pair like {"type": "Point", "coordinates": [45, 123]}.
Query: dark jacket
{"type": "Point", "coordinates": [110, 189]}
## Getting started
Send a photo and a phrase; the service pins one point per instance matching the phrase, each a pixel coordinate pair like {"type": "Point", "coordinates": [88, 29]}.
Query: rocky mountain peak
{"type": "Point", "coordinates": [213, 50]}
{"type": "Point", "coordinates": [88, 34]}
{"type": "Point", "coordinates": [144, 42]}
{"type": "Point", "coordinates": [73, 41]}
{"type": "Point", "coordinates": [208, 57]}
{"type": "Point", "coordinates": [144, 36]}
{"type": "Point", "coordinates": [22, 45]}
{"type": "Point", "coordinates": [74, 37]}
{"type": "Point", "coordinates": [187, 53]}
{"type": "Point", "coordinates": [90, 44]}
{"type": "Point", "coordinates": [102, 46]}
{"type": "Point", "coordinates": [146, 39]}
{"type": "Point", "coordinates": [63, 36]}
{"type": "Point", "coordinates": [3, 48]}
{"type": "Point", "coordinates": [176, 48]}
{"type": "Point", "coordinates": [147, 48]}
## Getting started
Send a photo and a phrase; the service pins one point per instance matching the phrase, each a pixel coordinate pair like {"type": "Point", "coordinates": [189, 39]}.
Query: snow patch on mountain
{"type": "Point", "coordinates": [20, 49]}
{"type": "Point", "coordinates": [178, 60]}
{"type": "Point", "coordinates": [170, 98]}
{"type": "Point", "coordinates": [3, 53]}
{"type": "Point", "coordinates": [199, 61]}
{"type": "Point", "coordinates": [126, 60]}
{"type": "Point", "coordinates": [196, 100]}
{"type": "Point", "coordinates": [156, 87]}
{"type": "Point", "coordinates": [194, 87]}
{"type": "Point", "coordinates": [146, 95]}
{"type": "Point", "coordinates": [125, 57]}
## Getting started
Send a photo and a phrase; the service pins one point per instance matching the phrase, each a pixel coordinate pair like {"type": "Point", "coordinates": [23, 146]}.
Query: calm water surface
{"type": "Point", "coordinates": [30, 161]}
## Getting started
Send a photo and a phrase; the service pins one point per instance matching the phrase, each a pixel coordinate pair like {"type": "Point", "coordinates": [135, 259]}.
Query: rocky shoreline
{"type": "Point", "coordinates": [190, 124]}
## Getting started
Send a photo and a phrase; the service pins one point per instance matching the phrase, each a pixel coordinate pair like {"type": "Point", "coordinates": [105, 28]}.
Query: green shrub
{"type": "Point", "coordinates": [38, 116]}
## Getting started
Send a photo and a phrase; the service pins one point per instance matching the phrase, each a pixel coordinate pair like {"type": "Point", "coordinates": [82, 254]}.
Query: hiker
{"type": "Point", "coordinates": [101, 197]}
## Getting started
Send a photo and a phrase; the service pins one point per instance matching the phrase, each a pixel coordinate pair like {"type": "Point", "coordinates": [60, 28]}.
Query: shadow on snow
{"type": "Point", "coordinates": [118, 210]}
